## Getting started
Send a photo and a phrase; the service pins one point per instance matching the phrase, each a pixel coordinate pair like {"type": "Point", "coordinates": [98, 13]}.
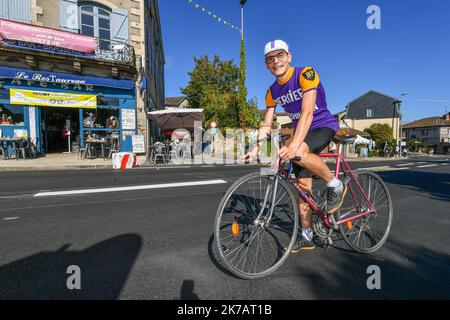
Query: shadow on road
{"type": "Point", "coordinates": [104, 269]}
{"type": "Point", "coordinates": [435, 184]}
{"type": "Point", "coordinates": [187, 291]}
{"type": "Point", "coordinates": [416, 273]}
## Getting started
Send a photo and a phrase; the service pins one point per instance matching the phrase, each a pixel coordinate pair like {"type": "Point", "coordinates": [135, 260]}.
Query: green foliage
{"type": "Point", "coordinates": [216, 86]}
{"type": "Point", "coordinates": [381, 134]}
{"type": "Point", "coordinates": [415, 145]}
{"type": "Point", "coordinates": [373, 153]}
{"type": "Point", "coordinates": [247, 109]}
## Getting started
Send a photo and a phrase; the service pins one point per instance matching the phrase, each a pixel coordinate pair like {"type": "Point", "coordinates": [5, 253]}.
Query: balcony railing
{"type": "Point", "coordinates": [114, 51]}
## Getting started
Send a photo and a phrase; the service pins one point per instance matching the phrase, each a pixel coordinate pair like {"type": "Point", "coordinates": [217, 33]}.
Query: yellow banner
{"type": "Point", "coordinates": [52, 99]}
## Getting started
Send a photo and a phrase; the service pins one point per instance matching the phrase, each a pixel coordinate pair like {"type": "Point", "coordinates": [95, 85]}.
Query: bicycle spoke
{"type": "Point", "coordinates": [255, 248]}
{"type": "Point", "coordinates": [367, 233]}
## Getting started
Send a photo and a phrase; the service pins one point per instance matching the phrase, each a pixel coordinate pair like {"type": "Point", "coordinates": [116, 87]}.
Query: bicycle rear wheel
{"type": "Point", "coordinates": [250, 247]}
{"type": "Point", "coordinates": [368, 233]}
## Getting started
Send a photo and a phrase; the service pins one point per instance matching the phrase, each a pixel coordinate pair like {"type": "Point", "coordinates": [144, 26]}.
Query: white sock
{"type": "Point", "coordinates": [307, 234]}
{"type": "Point", "coordinates": [335, 183]}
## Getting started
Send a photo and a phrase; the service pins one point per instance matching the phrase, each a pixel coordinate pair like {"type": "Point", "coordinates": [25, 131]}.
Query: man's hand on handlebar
{"type": "Point", "coordinates": [288, 153]}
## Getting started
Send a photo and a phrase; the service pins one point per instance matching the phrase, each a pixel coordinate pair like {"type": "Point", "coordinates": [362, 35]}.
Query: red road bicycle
{"type": "Point", "coordinates": [258, 217]}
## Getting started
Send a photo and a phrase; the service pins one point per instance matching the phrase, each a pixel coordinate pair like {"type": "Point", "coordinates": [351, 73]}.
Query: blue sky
{"type": "Point", "coordinates": [410, 53]}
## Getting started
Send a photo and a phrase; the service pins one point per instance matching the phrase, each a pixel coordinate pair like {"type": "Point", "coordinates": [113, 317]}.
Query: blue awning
{"type": "Point", "coordinates": [64, 78]}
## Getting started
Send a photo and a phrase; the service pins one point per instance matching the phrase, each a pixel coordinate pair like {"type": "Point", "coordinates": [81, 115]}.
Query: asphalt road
{"type": "Point", "coordinates": [157, 243]}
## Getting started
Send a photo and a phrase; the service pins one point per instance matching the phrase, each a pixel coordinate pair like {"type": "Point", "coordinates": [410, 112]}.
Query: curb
{"type": "Point", "coordinates": [144, 165]}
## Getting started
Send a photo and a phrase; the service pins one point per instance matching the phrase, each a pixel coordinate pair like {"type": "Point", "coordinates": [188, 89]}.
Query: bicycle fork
{"type": "Point", "coordinates": [268, 216]}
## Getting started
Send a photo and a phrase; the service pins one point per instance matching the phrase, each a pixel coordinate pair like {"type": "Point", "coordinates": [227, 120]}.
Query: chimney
{"type": "Point", "coordinates": [447, 116]}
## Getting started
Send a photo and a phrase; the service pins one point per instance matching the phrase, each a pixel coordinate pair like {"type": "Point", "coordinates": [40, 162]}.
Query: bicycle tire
{"type": "Point", "coordinates": [220, 229]}
{"type": "Point", "coordinates": [346, 229]}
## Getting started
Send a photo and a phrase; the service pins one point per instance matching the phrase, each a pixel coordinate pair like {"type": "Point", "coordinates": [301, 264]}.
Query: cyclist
{"type": "Point", "coordinates": [301, 94]}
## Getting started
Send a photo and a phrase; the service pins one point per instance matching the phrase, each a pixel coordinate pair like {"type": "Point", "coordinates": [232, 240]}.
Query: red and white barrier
{"type": "Point", "coordinates": [124, 160]}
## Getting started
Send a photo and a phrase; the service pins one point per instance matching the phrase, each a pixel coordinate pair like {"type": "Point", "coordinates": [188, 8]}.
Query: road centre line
{"type": "Point", "coordinates": [427, 166]}
{"type": "Point", "coordinates": [130, 188]}
{"type": "Point", "coordinates": [404, 164]}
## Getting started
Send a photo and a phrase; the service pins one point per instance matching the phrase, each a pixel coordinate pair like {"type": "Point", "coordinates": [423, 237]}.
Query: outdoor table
{"type": "Point", "coordinates": [12, 141]}
{"type": "Point", "coordinates": [91, 142]}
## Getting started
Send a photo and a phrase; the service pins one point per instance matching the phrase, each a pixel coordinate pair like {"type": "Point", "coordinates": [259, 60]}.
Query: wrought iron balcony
{"type": "Point", "coordinates": [114, 51]}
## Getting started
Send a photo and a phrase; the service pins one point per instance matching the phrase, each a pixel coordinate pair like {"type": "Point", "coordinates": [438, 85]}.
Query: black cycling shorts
{"type": "Point", "coordinates": [317, 140]}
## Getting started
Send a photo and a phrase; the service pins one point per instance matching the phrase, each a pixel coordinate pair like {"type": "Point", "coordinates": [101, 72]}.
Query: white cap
{"type": "Point", "coordinates": [275, 45]}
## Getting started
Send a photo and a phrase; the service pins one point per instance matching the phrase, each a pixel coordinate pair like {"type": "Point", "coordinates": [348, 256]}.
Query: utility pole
{"type": "Point", "coordinates": [242, 2]}
{"type": "Point", "coordinates": [400, 121]}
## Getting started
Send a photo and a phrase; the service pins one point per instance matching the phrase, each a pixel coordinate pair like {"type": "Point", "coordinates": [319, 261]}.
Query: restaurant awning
{"type": "Point", "coordinates": [172, 119]}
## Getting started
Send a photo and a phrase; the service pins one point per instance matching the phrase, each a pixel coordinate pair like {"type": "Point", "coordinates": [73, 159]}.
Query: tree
{"type": "Point", "coordinates": [381, 134]}
{"type": "Point", "coordinates": [247, 109]}
{"type": "Point", "coordinates": [214, 86]}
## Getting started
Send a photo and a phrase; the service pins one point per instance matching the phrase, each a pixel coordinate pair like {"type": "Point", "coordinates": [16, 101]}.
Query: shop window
{"type": "Point", "coordinates": [108, 101]}
{"type": "Point", "coordinates": [101, 118]}
{"type": "Point", "coordinates": [11, 114]}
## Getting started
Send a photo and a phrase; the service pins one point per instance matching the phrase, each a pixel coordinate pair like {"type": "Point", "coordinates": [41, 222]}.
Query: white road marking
{"type": "Point", "coordinates": [427, 166]}
{"type": "Point", "coordinates": [385, 168]}
{"type": "Point", "coordinates": [444, 164]}
{"type": "Point", "coordinates": [10, 218]}
{"type": "Point", "coordinates": [404, 164]}
{"type": "Point", "coordinates": [131, 188]}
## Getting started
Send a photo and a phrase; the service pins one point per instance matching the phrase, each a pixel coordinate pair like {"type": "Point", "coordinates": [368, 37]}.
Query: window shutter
{"type": "Point", "coordinates": [4, 9]}
{"type": "Point", "coordinates": [119, 25]}
{"type": "Point", "coordinates": [16, 10]}
{"type": "Point", "coordinates": [68, 15]}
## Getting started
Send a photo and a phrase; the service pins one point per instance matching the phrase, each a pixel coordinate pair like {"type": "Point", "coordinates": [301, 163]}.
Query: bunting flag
{"type": "Point", "coordinates": [212, 15]}
{"type": "Point", "coordinates": [433, 100]}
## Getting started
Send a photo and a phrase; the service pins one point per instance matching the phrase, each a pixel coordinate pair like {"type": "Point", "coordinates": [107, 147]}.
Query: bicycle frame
{"type": "Point", "coordinates": [341, 164]}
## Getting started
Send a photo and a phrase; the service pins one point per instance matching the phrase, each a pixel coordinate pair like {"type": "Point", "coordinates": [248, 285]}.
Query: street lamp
{"type": "Point", "coordinates": [400, 121]}
{"type": "Point", "coordinates": [242, 2]}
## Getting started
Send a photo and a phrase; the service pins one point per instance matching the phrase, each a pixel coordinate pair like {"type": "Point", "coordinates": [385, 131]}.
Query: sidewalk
{"type": "Point", "coordinates": [59, 161]}
{"type": "Point", "coordinates": [66, 161]}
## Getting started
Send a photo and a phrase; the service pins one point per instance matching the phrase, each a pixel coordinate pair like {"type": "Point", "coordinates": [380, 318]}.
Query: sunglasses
{"type": "Point", "coordinates": [279, 56]}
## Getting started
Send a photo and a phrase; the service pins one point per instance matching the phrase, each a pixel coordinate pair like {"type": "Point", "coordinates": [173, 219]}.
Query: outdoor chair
{"type": "Point", "coordinates": [114, 145]}
{"type": "Point", "coordinates": [31, 148]}
{"type": "Point", "coordinates": [176, 151]}
{"type": "Point", "coordinates": [158, 153]}
{"type": "Point", "coordinates": [20, 149]}
{"type": "Point", "coordinates": [4, 150]}
{"type": "Point", "coordinates": [80, 152]}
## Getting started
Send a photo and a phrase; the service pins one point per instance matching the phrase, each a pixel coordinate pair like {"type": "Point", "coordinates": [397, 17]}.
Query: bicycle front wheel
{"type": "Point", "coordinates": [253, 247]}
{"type": "Point", "coordinates": [367, 233]}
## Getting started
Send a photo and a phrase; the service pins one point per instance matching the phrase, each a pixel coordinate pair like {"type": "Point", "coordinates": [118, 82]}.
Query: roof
{"type": "Point", "coordinates": [428, 122]}
{"type": "Point", "coordinates": [382, 106]}
{"type": "Point", "coordinates": [174, 101]}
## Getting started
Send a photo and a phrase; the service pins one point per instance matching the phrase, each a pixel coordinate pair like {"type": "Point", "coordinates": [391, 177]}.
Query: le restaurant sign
{"type": "Point", "coordinates": [63, 80]}
{"type": "Point", "coordinates": [53, 99]}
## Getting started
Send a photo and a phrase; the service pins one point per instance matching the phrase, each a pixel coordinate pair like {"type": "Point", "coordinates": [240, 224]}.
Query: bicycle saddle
{"type": "Point", "coordinates": [344, 138]}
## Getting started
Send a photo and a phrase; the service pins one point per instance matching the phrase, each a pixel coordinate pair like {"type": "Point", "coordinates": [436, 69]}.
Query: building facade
{"type": "Point", "coordinates": [71, 67]}
{"type": "Point", "coordinates": [373, 107]}
{"type": "Point", "coordinates": [180, 102]}
{"type": "Point", "coordinates": [433, 132]}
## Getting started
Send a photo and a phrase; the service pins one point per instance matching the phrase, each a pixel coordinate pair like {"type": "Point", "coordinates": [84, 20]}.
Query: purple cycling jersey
{"type": "Point", "coordinates": [289, 94]}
